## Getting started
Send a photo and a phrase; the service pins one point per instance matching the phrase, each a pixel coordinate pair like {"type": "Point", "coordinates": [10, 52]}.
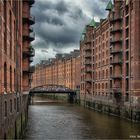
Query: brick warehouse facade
{"type": "Point", "coordinates": [110, 61]}
{"type": "Point", "coordinates": [16, 51]}
{"type": "Point", "coordinates": [62, 70]}
{"type": "Point", "coordinates": [14, 42]}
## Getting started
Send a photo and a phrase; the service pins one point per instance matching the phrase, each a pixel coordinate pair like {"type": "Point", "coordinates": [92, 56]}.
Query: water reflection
{"type": "Point", "coordinates": [66, 121]}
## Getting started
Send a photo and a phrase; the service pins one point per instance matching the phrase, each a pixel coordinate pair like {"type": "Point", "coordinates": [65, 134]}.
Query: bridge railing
{"type": "Point", "coordinates": [51, 89]}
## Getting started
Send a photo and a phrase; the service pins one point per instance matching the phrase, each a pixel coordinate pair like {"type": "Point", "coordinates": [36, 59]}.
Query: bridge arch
{"type": "Point", "coordinates": [54, 89]}
{"type": "Point", "coordinates": [50, 88]}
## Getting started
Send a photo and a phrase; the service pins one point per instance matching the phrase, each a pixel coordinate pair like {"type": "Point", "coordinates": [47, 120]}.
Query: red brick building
{"type": "Point", "coordinates": [28, 36]}
{"type": "Point", "coordinates": [15, 40]}
{"type": "Point", "coordinates": [110, 60]}
{"type": "Point", "coordinates": [16, 53]}
{"type": "Point", "coordinates": [62, 70]}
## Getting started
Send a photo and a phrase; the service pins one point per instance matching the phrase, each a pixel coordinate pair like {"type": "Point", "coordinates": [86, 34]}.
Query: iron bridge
{"type": "Point", "coordinates": [51, 89]}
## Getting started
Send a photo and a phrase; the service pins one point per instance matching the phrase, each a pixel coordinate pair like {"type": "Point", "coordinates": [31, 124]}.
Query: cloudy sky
{"type": "Point", "coordinates": [59, 24]}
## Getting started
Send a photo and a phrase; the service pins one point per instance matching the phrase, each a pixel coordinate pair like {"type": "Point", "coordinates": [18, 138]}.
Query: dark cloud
{"type": "Point", "coordinates": [97, 7]}
{"type": "Point", "coordinates": [59, 23]}
{"type": "Point", "coordinates": [55, 29]}
{"type": "Point", "coordinates": [61, 7]}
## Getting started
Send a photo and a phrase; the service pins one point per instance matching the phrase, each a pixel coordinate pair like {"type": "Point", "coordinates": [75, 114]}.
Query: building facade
{"type": "Point", "coordinates": [62, 70]}
{"type": "Point", "coordinates": [16, 51]}
{"type": "Point", "coordinates": [14, 28]}
{"type": "Point", "coordinates": [28, 50]}
{"type": "Point", "coordinates": [110, 60]}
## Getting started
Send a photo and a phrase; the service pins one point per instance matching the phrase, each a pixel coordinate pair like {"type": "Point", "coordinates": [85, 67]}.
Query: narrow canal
{"type": "Point", "coordinates": [67, 121]}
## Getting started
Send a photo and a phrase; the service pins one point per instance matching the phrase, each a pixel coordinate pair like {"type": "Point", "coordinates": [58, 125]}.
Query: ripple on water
{"type": "Point", "coordinates": [64, 121]}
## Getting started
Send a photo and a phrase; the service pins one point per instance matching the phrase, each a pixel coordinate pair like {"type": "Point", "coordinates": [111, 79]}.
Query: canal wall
{"type": "Point", "coordinates": [13, 115]}
{"type": "Point", "coordinates": [44, 97]}
{"type": "Point", "coordinates": [107, 106]}
{"type": "Point", "coordinates": [71, 98]}
{"type": "Point", "coordinates": [110, 107]}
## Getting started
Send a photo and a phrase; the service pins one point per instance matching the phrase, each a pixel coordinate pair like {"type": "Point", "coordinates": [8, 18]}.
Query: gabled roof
{"type": "Point", "coordinates": [109, 6]}
{"type": "Point", "coordinates": [92, 23]}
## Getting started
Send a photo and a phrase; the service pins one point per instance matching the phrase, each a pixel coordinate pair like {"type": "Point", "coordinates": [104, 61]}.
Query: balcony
{"type": "Point", "coordinates": [31, 2]}
{"type": "Point", "coordinates": [88, 80]}
{"type": "Point", "coordinates": [116, 77]}
{"type": "Point", "coordinates": [32, 36]}
{"type": "Point", "coordinates": [30, 78]}
{"type": "Point", "coordinates": [32, 69]}
{"type": "Point", "coordinates": [115, 19]}
{"type": "Point", "coordinates": [113, 51]}
{"type": "Point", "coordinates": [114, 30]}
{"type": "Point", "coordinates": [114, 41]}
{"type": "Point", "coordinates": [88, 48]}
{"type": "Point", "coordinates": [88, 70]}
{"type": "Point", "coordinates": [117, 92]}
{"type": "Point", "coordinates": [29, 53]}
{"type": "Point", "coordinates": [88, 55]}
{"type": "Point", "coordinates": [28, 70]}
{"type": "Point", "coordinates": [25, 69]}
{"type": "Point", "coordinates": [29, 37]}
{"type": "Point", "coordinates": [32, 52]}
{"type": "Point", "coordinates": [116, 62]}
{"type": "Point", "coordinates": [30, 29]}
{"type": "Point", "coordinates": [30, 20]}
{"type": "Point", "coordinates": [31, 59]}
{"type": "Point", "coordinates": [87, 62]}
{"type": "Point", "coordinates": [88, 41]}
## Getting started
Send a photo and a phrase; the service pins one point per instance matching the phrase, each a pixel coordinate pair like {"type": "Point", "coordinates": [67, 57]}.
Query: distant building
{"type": "Point", "coordinates": [110, 58]}
{"type": "Point", "coordinates": [62, 70]}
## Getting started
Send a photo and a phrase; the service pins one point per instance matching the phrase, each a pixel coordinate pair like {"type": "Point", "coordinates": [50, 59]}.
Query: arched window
{"type": "Point", "coordinates": [106, 85]}
{"type": "Point", "coordinates": [10, 78]}
{"type": "Point", "coordinates": [18, 104]}
{"type": "Point", "coordinates": [102, 85]}
{"type": "Point", "coordinates": [103, 74]}
{"type": "Point", "coordinates": [99, 86]}
{"type": "Point", "coordinates": [106, 73]}
{"type": "Point", "coordinates": [5, 109]}
{"type": "Point", "coordinates": [15, 103]}
{"type": "Point", "coordinates": [14, 80]}
{"type": "Point", "coordinates": [5, 76]}
{"type": "Point", "coordinates": [11, 106]}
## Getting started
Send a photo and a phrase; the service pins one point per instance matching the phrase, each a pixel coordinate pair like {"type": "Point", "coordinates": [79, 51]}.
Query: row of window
{"type": "Point", "coordinates": [102, 37]}
{"type": "Point", "coordinates": [101, 55]}
{"type": "Point", "coordinates": [13, 106]}
{"type": "Point", "coordinates": [97, 86]}
{"type": "Point", "coordinates": [98, 75]}
{"type": "Point", "coordinates": [98, 48]}
{"type": "Point", "coordinates": [6, 76]}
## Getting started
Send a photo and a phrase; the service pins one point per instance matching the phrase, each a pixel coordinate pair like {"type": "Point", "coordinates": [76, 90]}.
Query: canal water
{"type": "Point", "coordinates": [67, 121]}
